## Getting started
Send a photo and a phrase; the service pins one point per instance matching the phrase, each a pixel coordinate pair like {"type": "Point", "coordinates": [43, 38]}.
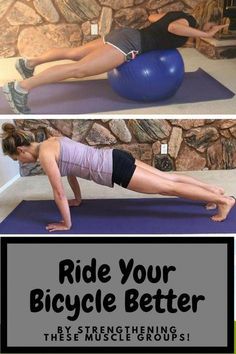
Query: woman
{"type": "Point", "coordinates": [170, 30]}
{"type": "Point", "coordinates": [61, 156]}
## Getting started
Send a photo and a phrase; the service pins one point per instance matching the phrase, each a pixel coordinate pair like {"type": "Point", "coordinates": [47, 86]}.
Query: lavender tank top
{"type": "Point", "coordinates": [84, 161]}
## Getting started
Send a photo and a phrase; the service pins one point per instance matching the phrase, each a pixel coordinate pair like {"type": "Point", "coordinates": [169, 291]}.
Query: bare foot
{"type": "Point", "coordinates": [224, 209]}
{"type": "Point", "coordinates": [217, 190]}
{"type": "Point", "coordinates": [211, 206]}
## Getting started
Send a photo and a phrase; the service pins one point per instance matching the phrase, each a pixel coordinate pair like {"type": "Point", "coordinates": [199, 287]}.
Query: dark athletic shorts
{"type": "Point", "coordinates": [123, 167]}
{"type": "Point", "coordinates": [126, 40]}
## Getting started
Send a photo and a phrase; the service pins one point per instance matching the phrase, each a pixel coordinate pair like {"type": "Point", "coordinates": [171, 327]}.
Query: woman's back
{"type": "Point", "coordinates": [156, 36]}
{"type": "Point", "coordinates": [77, 159]}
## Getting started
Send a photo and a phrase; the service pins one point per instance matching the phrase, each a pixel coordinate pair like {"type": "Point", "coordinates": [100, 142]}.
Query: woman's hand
{"type": "Point", "coordinates": [60, 226]}
{"type": "Point", "coordinates": [215, 29]}
{"type": "Point", "coordinates": [74, 202]}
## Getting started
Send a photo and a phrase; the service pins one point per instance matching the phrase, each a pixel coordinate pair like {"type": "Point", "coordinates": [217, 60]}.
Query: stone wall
{"type": "Point", "coordinates": [193, 144]}
{"type": "Point", "coordinates": [30, 27]}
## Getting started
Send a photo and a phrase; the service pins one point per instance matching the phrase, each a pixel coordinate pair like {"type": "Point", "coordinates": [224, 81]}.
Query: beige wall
{"type": "Point", "coordinates": [9, 170]}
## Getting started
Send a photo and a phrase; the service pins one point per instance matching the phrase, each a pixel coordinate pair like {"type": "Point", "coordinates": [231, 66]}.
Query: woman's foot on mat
{"type": "Point", "coordinates": [211, 206]}
{"type": "Point", "coordinates": [217, 190]}
{"type": "Point", "coordinates": [16, 99]}
{"type": "Point", "coordinates": [23, 69]}
{"type": "Point", "coordinates": [224, 209]}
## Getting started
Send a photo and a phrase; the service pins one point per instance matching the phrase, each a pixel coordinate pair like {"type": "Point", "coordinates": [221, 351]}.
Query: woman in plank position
{"type": "Point", "coordinates": [166, 31]}
{"type": "Point", "coordinates": [61, 156]}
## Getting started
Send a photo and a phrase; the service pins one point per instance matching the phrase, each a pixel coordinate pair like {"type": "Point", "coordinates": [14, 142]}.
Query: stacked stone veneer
{"type": "Point", "coordinates": [30, 27]}
{"type": "Point", "coordinates": [193, 144]}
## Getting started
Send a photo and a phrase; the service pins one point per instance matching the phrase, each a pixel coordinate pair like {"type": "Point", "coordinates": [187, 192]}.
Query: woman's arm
{"type": "Point", "coordinates": [76, 190]}
{"type": "Point", "coordinates": [186, 31]}
{"type": "Point", "coordinates": [49, 165]}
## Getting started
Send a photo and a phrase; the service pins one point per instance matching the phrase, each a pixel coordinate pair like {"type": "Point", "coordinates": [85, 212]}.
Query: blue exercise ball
{"type": "Point", "coordinates": [151, 76]}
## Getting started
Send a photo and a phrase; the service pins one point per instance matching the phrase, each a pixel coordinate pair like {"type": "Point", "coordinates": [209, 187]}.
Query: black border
{"type": "Point", "coordinates": [229, 241]}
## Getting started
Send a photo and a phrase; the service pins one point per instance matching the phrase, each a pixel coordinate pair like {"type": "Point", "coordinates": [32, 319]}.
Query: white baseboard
{"type": "Point", "coordinates": [9, 183]}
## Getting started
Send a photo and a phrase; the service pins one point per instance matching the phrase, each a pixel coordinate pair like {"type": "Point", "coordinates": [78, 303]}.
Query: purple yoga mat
{"type": "Point", "coordinates": [120, 216]}
{"type": "Point", "coordinates": [95, 96]}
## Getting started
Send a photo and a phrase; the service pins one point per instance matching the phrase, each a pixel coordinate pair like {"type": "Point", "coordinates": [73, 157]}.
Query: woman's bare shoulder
{"type": "Point", "coordinates": [50, 141]}
{"type": "Point", "coordinates": [51, 146]}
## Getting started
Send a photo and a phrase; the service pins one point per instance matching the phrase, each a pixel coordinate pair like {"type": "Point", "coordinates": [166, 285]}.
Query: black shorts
{"type": "Point", "coordinates": [126, 40]}
{"type": "Point", "coordinates": [123, 167]}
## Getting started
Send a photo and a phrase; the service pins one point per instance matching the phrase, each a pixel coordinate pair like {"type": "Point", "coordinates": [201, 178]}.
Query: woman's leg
{"type": "Point", "coordinates": [65, 53]}
{"type": "Point", "coordinates": [99, 61]}
{"type": "Point", "coordinates": [180, 178]}
{"type": "Point", "coordinates": [144, 181]}
{"type": "Point", "coordinates": [183, 179]}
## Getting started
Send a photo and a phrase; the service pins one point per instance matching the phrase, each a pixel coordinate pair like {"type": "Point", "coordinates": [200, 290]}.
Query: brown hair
{"type": "Point", "coordinates": [216, 16]}
{"type": "Point", "coordinates": [12, 138]}
{"type": "Point", "coordinates": [208, 11]}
